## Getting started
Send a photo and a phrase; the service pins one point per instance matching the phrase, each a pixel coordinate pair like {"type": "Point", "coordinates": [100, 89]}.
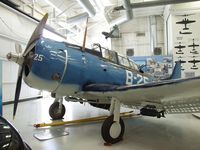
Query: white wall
{"type": "Point", "coordinates": [160, 33]}
{"type": "Point", "coordinates": [13, 28]}
{"type": "Point", "coordinates": [95, 35]}
{"type": "Point", "coordinates": [129, 38]}
{"type": "Point", "coordinates": [175, 14]}
{"type": "Point", "coordinates": [141, 44]}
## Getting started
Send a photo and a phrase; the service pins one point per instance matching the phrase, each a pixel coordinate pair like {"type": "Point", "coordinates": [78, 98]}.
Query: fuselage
{"type": "Point", "coordinates": [65, 69]}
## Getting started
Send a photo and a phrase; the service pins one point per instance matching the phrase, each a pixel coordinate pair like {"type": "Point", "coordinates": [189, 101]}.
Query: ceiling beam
{"type": "Point", "coordinates": [77, 18]}
{"type": "Point", "coordinates": [153, 3]}
{"type": "Point", "coordinates": [123, 19]}
{"type": "Point", "coordinates": [87, 6]}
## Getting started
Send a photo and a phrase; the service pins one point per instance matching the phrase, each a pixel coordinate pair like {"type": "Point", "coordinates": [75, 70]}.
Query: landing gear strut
{"type": "Point", "coordinates": [113, 127]}
{"type": "Point", "coordinates": [57, 109]}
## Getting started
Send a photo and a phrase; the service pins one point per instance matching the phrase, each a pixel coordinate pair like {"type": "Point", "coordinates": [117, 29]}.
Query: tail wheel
{"type": "Point", "coordinates": [54, 111]}
{"type": "Point", "coordinates": [111, 131]}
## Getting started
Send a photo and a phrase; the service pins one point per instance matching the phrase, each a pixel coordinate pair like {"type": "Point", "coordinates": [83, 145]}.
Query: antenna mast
{"type": "Point", "coordinates": [84, 40]}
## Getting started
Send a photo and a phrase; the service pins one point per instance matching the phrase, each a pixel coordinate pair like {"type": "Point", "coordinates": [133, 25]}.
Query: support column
{"type": "Point", "coordinates": [153, 33]}
{"type": "Point", "coordinates": [1, 107]}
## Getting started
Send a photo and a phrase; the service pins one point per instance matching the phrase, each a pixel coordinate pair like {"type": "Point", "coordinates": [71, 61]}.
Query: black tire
{"type": "Point", "coordinates": [53, 111]}
{"type": "Point", "coordinates": [105, 130]}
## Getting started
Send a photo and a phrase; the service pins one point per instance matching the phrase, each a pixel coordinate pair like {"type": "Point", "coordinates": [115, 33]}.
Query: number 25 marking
{"type": "Point", "coordinates": [38, 57]}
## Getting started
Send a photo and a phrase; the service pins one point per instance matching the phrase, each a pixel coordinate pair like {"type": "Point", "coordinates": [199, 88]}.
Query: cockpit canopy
{"type": "Point", "coordinates": [109, 55]}
{"type": "Point", "coordinates": [115, 57]}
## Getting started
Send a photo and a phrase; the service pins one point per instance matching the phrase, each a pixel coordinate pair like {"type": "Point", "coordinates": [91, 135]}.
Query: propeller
{"type": "Point", "coordinates": [18, 89]}
{"type": "Point", "coordinates": [36, 34]}
{"type": "Point", "coordinates": [18, 48]}
{"type": "Point", "coordinates": [24, 58]}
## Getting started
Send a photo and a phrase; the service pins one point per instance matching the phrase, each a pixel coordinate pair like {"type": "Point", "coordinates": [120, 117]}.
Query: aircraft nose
{"type": "Point", "coordinates": [47, 67]}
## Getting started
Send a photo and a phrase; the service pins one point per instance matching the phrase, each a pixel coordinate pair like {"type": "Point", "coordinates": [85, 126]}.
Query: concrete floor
{"type": "Point", "coordinates": [143, 133]}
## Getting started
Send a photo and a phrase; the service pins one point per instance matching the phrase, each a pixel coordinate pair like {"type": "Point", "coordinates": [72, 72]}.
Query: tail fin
{"type": "Point", "coordinates": [176, 74]}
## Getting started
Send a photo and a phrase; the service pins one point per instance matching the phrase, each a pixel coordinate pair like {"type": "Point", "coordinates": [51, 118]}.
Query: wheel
{"type": "Point", "coordinates": [112, 132]}
{"type": "Point", "coordinates": [54, 111]}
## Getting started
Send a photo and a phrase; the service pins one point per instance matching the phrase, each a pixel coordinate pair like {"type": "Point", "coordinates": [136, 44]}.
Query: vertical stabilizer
{"type": "Point", "coordinates": [176, 74]}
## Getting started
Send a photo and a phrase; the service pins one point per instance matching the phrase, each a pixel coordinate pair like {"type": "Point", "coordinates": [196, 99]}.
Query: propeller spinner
{"type": "Point", "coordinates": [24, 59]}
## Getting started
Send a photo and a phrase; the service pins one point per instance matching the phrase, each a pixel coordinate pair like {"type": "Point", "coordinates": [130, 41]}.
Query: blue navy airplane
{"type": "Point", "coordinates": [98, 76]}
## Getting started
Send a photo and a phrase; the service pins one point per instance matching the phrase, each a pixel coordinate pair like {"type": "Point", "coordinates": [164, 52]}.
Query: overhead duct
{"type": "Point", "coordinates": [78, 18]}
{"type": "Point", "coordinates": [153, 3]}
{"type": "Point", "coordinates": [129, 14]}
{"type": "Point", "coordinates": [128, 9]}
{"type": "Point", "coordinates": [88, 7]}
{"type": "Point", "coordinates": [153, 33]}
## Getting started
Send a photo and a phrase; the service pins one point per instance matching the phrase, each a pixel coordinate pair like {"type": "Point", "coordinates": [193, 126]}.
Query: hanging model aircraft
{"type": "Point", "coordinates": [185, 22]}
{"type": "Point", "coordinates": [179, 47]}
{"type": "Point", "coordinates": [194, 61]}
{"type": "Point", "coordinates": [111, 33]}
{"type": "Point", "coordinates": [100, 77]}
{"type": "Point", "coordinates": [193, 45]}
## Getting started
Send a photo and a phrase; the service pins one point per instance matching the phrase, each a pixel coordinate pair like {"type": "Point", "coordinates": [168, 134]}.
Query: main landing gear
{"type": "Point", "coordinates": [113, 127]}
{"type": "Point", "coordinates": [57, 109]}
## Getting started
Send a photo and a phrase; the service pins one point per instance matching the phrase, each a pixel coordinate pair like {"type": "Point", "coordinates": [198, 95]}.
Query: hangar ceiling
{"type": "Point", "coordinates": [67, 16]}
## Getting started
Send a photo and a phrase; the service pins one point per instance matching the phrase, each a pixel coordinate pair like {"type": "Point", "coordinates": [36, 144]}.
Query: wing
{"type": "Point", "coordinates": [191, 61]}
{"type": "Point", "coordinates": [191, 21]}
{"type": "Point", "coordinates": [105, 33]}
{"type": "Point", "coordinates": [165, 92]}
{"type": "Point", "coordinates": [181, 22]}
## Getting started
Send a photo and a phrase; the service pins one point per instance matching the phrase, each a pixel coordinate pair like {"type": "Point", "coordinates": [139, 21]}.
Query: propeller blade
{"type": "Point", "coordinates": [36, 34]}
{"type": "Point", "coordinates": [17, 90]}
{"type": "Point", "coordinates": [31, 43]}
